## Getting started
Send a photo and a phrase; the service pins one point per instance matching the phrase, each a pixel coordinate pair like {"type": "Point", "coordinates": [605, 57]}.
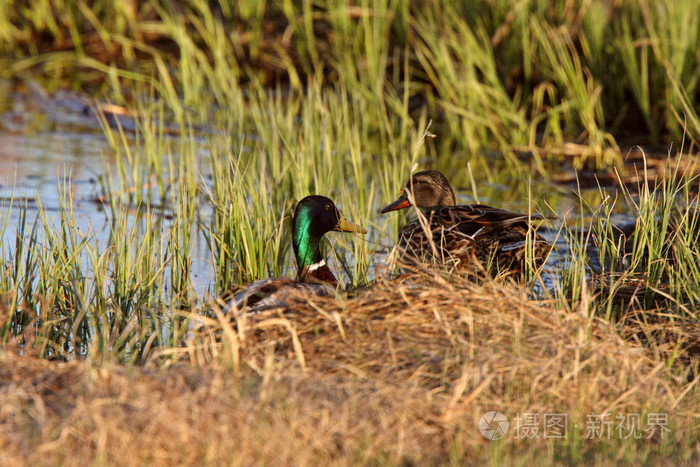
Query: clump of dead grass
{"type": "Point", "coordinates": [400, 372]}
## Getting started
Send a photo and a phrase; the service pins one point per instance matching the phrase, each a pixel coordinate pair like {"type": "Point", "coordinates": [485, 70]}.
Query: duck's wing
{"type": "Point", "coordinates": [268, 294]}
{"type": "Point", "coordinates": [475, 216]}
{"type": "Point", "coordinates": [455, 228]}
{"type": "Point", "coordinates": [468, 234]}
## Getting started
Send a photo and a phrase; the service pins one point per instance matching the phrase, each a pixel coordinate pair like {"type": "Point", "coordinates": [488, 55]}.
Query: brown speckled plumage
{"type": "Point", "coordinates": [467, 237]}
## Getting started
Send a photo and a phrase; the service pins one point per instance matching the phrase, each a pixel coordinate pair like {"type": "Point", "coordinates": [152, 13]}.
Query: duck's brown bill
{"type": "Point", "coordinates": [346, 226]}
{"type": "Point", "coordinates": [400, 203]}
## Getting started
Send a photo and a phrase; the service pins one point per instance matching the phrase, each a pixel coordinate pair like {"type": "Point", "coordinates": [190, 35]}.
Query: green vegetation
{"type": "Point", "coordinates": [240, 110]}
{"type": "Point", "coordinates": [501, 76]}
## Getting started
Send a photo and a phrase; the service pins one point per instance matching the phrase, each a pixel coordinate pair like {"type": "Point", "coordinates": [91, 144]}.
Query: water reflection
{"type": "Point", "coordinates": [36, 170]}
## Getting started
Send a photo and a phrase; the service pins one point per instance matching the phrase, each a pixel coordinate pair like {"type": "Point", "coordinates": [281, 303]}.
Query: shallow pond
{"type": "Point", "coordinates": [36, 171]}
{"type": "Point", "coordinates": [37, 167]}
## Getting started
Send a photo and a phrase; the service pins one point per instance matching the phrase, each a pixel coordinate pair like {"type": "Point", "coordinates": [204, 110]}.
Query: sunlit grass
{"type": "Point", "coordinates": [216, 150]}
{"type": "Point", "coordinates": [655, 260]}
{"type": "Point", "coordinates": [233, 124]}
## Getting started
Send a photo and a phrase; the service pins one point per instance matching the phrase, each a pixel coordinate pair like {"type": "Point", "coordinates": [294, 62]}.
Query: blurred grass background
{"type": "Point", "coordinates": [500, 74]}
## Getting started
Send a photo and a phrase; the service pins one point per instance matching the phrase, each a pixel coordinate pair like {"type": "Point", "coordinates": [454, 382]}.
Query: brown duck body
{"type": "Point", "coordinates": [317, 279]}
{"type": "Point", "coordinates": [474, 237]}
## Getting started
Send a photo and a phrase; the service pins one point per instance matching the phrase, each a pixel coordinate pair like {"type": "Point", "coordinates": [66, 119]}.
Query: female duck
{"type": "Point", "coordinates": [471, 237]}
{"type": "Point", "coordinates": [314, 216]}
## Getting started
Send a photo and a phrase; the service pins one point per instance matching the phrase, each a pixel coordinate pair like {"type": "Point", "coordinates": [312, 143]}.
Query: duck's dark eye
{"type": "Point", "coordinates": [329, 207]}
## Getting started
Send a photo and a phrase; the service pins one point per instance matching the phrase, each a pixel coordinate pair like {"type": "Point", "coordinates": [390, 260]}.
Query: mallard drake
{"type": "Point", "coordinates": [314, 216]}
{"type": "Point", "coordinates": [468, 237]}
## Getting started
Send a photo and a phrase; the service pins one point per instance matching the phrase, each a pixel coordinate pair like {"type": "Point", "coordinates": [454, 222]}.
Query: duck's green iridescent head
{"type": "Point", "coordinates": [314, 216]}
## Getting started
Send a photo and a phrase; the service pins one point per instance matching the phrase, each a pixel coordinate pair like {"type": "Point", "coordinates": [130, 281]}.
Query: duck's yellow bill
{"type": "Point", "coordinates": [345, 225]}
{"type": "Point", "coordinates": [400, 203]}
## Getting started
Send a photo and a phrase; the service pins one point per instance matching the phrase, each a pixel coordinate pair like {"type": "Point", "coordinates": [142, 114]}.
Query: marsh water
{"type": "Point", "coordinates": [41, 172]}
{"type": "Point", "coordinates": [39, 168]}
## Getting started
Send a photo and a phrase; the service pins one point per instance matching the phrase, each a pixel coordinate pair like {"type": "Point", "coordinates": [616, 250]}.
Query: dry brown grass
{"type": "Point", "coordinates": [401, 373]}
